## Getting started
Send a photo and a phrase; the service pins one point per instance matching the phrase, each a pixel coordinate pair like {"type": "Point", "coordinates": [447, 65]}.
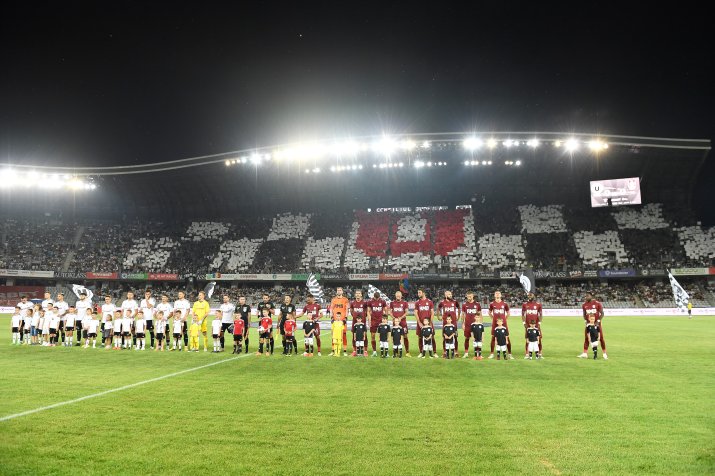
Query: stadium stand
{"type": "Point", "coordinates": [647, 217]}
{"type": "Point", "coordinates": [501, 251]}
{"type": "Point", "coordinates": [602, 249]}
{"type": "Point", "coordinates": [323, 254]}
{"type": "Point", "coordinates": [36, 245]}
{"type": "Point", "coordinates": [236, 255]}
{"type": "Point", "coordinates": [547, 219]}
{"type": "Point", "coordinates": [698, 243]}
{"type": "Point", "coordinates": [454, 239]}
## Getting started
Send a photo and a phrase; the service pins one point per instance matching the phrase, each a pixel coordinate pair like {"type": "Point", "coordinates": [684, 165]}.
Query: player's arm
{"type": "Point", "coordinates": [523, 313]}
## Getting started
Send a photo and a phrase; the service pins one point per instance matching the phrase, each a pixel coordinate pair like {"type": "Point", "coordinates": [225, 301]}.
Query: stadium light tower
{"type": "Point", "coordinates": [571, 145]}
{"type": "Point", "coordinates": [472, 143]}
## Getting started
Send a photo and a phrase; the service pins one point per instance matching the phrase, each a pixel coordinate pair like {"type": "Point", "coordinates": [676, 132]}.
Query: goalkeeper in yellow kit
{"type": "Point", "coordinates": [338, 328]}
{"type": "Point", "coordinates": [201, 310]}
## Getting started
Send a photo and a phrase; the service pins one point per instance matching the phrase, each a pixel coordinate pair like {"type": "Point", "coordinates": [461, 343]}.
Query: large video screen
{"type": "Point", "coordinates": [623, 191]}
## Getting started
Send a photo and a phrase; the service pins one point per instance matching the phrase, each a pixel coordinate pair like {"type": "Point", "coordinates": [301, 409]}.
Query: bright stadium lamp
{"type": "Point", "coordinates": [472, 143]}
{"type": "Point", "coordinates": [571, 145]}
{"type": "Point", "coordinates": [255, 158]}
{"type": "Point", "coordinates": [426, 144]}
{"type": "Point", "coordinates": [508, 143]}
{"type": "Point", "coordinates": [517, 163]}
{"type": "Point", "coordinates": [597, 145]}
{"type": "Point", "coordinates": [491, 143]}
{"type": "Point", "coordinates": [533, 143]}
{"type": "Point", "coordinates": [557, 143]}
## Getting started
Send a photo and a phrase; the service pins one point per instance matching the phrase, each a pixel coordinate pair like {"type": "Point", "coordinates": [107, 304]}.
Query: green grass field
{"type": "Point", "coordinates": [649, 409]}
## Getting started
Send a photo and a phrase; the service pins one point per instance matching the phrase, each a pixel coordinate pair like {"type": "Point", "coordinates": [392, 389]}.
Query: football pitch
{"type": "Point", "coordinates": [649, 409]}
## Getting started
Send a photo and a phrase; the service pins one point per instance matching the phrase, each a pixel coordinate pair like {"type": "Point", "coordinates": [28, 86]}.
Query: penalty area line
{"type": "Point", "coordinates": [119, 389]}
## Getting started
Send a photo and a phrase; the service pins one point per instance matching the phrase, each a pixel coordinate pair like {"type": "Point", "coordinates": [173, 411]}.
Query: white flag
{"type": "Point", "coordinates": [316, 290]}
{"type": "Point", "coordinates": [372, 290]}
{"type": "Point", "coordinates": [209, 289]}
{"type": "Point", "coordinates": [78, 289]}
{"type": "Point", "coordinates": [679, 294]}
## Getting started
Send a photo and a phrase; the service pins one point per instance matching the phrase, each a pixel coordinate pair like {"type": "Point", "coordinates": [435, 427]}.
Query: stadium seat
{"type": "Point", "coordinates": [698, 242]}
{"type": "Point", "coordinates": [454, 238]}
{"type": "Point", "coordinates": [236, 255]}
{"type": "Point", "coordinates": [149, 254]}
{"type": "Point", "coordinates": [648, 217]}
{"type": "Point", "coordinates": [501, 251]}
{"type": "Point", "coordinates": [323, 254]}
{"type": "Point", "coordinates": [288, 226]}
{"type": "Point", "coordinates": [597, 249]}
{"type": "Point", "coordinates": [546, 219]}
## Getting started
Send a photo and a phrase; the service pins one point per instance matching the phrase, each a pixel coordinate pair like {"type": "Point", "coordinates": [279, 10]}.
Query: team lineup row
{"type": "Point", "coordinates": [127, 326]}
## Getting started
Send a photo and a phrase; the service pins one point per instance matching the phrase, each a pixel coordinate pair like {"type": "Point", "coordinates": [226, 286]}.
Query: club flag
{"type": "Point", "coordinates": [78, 289]}
{"type": "Point", "coordinates": [209, 289]}
{"type": "Point", "coordinates": [405, 287]}
{"type": "Point", "coordinates": [528, 281]}
{"type": "Point", "coordinates": [371, 290]}
{"type": "Point", "coordinates": [316, 290]}
{"type": "Point", "coordinates": [680, 296]}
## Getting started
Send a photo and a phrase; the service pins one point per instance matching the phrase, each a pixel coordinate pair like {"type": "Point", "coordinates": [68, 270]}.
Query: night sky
{"type": "Point", "coordinates": [133, 84]}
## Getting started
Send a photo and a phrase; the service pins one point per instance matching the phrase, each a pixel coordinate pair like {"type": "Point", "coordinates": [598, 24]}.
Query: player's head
{"type": "Point", "coordinates": [589, 296]}
{"type": "Point", "coordinates": [140, 314]}
{"type": "Point", "coordinates": [265, 311]}
{"type": "Point", "coordinates": [421, 293]}
{"type": "Point", "coordinates": [147, 293]}
{"type": "Point", "coordinates": [17, 309]}
{"type": "Point", "coordinates": [376, 295]}
{"type": "Point", "coordinates": [500, 321]}
{"type": "Point", "coordinates": [164, 298]}
{"type": "Point", "coordinates": [89, 310]}
{"type": "Point", "coordinates": [55, 308]}
{"type": "Point", "coordinates": [448, 295]}
{"type": "Point", "coordinates": [36, 307]}
{"type": "Point", "coordinates": [108, 299]}
{"type": "Point", "coordinates": [60, 296]}
{"type": "Point", "coordinates": [177, 314]}
{"type": "Point", "coordinates": [160, 314]}
{"type": "Point", "coordinates": [358, 294]}
{"type": "Point", "coordinates": [532, 323]}
{"type": "Point", "coordinates": [449, 320]}
{"type": "Point", "coordinates": [48, 295]}
{"type": "Point", "coordinates": [226, 298]}
{"type": "Point", "coordinates": [130, 295]}
{"type": "Point", "coordinates": [23, 298]}
{"type": "Point", "coordinates": [287, 299]}
{"type": "Point", "coordinates": [181, 295]}
{"type": "Point", "coordinates": [478, 319]}
{"type": "Point", "coordinates": [311, 299]}
{"type": "Point", "coordinates": [95, 315]}
{"type": "Point", "coordinates": [266, 297]}
{"type": "Point", "coordinates": [339, 291]}
{"type": "Point", "coordinates": [425, 321]}
{"type": "Point", "coordinates": [398, 295]}
{"type": "Point", "coordinates": [470, 296]}
{"type": "Point", "coordinates": [339, 314]}
{"type": "Point", "coordinates": [396, 321]}
{"type": "Point", "coordinates": [497, 295]}
{"type": "Point", "coordinates": [384, 319]}
{"type": "Point", "coordinates": [71, 309]}
{"type": "Point", "coordinates": [202, 295]}
{"type": "Point", "coordinates": [359, 318]}
{"type": "Point", "coordinates": [591, 319]}
{"type": "Point", "coordinates": [82, 295]}
{"type": "Point", "coordinates": [242, 300]}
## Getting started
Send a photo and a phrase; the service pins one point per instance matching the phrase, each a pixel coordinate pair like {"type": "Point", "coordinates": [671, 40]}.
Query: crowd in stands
{"type": "Point", "coordinates": [486, 237]}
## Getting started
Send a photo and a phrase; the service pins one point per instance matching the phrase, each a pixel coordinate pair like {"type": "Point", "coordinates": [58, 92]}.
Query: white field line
{"type": "Point", "coordinates": [125, 387]}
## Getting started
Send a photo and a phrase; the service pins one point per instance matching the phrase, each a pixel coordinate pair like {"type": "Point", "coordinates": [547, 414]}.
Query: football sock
{"type": "Point", "coordinates": [407, 344]}
{"type": "Point", "coordinates": [285, 346]}
{"type": "Point", "coordinates": [272, 344]}
{"type": "Point", "coordinates": [246, 344]}
{"type": "Point", "coordinates": [260, 348]}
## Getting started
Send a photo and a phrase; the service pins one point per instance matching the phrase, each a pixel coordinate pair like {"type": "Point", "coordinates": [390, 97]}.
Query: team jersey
{"type": "Point", "coordinates": [25, 306]}
{"type": "Point", "coordinates": [384, 331]}
{"type": "Point", "coordinates": [289, 327]}
{"type": "Point", "coordinates": [148, 307]}
{"type": "Point", "coordinates": [312, 310]}
{"type": "Point", "coordinates": [238, 327]}
{"type": "Point", "coordinates": [117, 325]}
{"type": "Point", "coordinates": [126, 324]}
{"type": "Point", "coordinates": [448, 308]}
{"type": "Point", "coordinates": [27, 320]}
{"type": "Point", "coordinates": [448, 331]}
{"type": "Point", "coordinates": [592, 308]}
{"type": "Point", "coordinates": [338, 327]}
{"type": "Point", "coordinates": [194, 329]}
{"type": "Point", "coordinates": [399, 308]}
{"type": "Point", "coordinates": [92, 326]}
{"type": "Point", "coordinates": [532, 334]}
{"type": "Point", "coordinates": [359, 331]}
{"type": "Point", "coordinates": [182, 305]}
{"type": "Point", "coordinates": [358, 309]}
{"type": "Point", "coordinates": [501, 334]}
{"type": "Point", "coordinates": [499, 310]}
{"type": "Point", "coordinates": [215, 327]}
{"type": "Point", "coordinates": [160, 326]}
{"type": "Point", "coordinates": [593, 332]}
{"type": "Point", "coordinates": [227, 310]}
{"type": "Point", "coordinates": [470, 311]}
{"type": "Point", "coordinates": [62, 308]}
{"type": "Point", "coordinates": [426, 333]}
{"type": "Point", "coordinates": [47, 304]}
{"type": "Point", "coordinates": [82, 305]}
{"type": "Point", "coordinates": [166, 308]}
{"type": "Point", "coordinates": [266, 323]}
{"type": "Point", "coordinates": [423, 309]}
{"type": "Point", "coordinates": [265, 305]}
{"type": "Point", "coordinates": [49, 315]}
{"type": "Point", "coordinates": [139, 326]}
{"type": "Point", "coordinates": [201, 310]}
{"type": "Point", "coordinates": [377, 310]}
{"type": "Point", "coordinates": [397, 333]}
{"type": "Point", "coordinates": [244, 311]}
{"type": "Point", "coordinates": [54, 321]}
{"type": "Point", "coordinates": [70, 319]}
{"type": "Point", "coordinates": [178, 325]}
{"type": "Point", "coordinates": [107, 311]}
{"type": "Point", "coordinates": [16, 319]}
{"type": "Point", "coordinates": [284, 310]}
{"type": "Point", "coordinates": [308, 328]}
{"type": "Point", "coordinates": [35, 319]}
{"type": "Point", "coordinates": [339, 304]}
{"type": "Point", "coordinates": [531, 311]}
{"type": "Point", "coordinates": [477, 331]}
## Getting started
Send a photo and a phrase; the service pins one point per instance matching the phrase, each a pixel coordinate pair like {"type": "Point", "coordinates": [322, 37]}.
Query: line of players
{"type": "Point", "coordinates": [126, 326]}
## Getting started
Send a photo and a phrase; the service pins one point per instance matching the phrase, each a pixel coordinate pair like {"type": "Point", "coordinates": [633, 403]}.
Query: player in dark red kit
{"type": "Point", "coordinates": [593, 308]}
{"type": "Point", "coordinates": [358, 308]}
{"type": "Point", "coordinates": [424, 309]}
{"type": "Point", "coordinates": [531, 310]}
{"type": "Point", "coordinates": [312, 311]}
{"type": "Point", "coordinates": [499, 309]}
{"type": "Point", "coordinates": [449, 308]}
{"type": "Point", "coordinates": [470, 310]}
{"type": "Point", "coordinates": [398, 310]}
{"type": "Point", "coordinates": [376, 309]}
